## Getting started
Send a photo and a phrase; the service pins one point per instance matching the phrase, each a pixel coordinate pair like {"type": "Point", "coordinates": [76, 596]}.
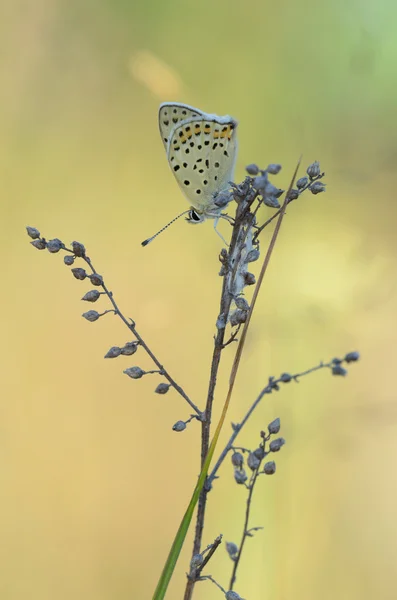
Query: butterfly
{"type": "Point", "coordinates": [201, 151]}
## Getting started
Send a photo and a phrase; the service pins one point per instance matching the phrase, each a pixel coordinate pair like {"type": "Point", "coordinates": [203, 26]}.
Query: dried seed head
{"type": "Point", "coordinates": [237, 317]}
{"type": "Point", "coordinates": [134, 372]}
{"type": "Point", "coordinates": [252, 169]}
{"type": "Point", "coordinates": [273, 169]}
{"type": "Point", "coordinates": [33, 232]}
{"type": "Point", "coordinates": [270, 467]}
{"type": "Point", "coordinates": [197, 561]}
{"type": "Point", "coordinates": [260, 182]}
{"type": "Point", "coordinates": [39, 244]}
{"type": "Point", "coordinates": [259, 452]}
{"type": "Point", "coordinates": [352, 357]}
{"type": "Point", "coordinates": [302, 182]}
{"type": "Point", "coordinates": [237, 459]}
{"type": "Point", "coordinates": [129, 348]}
{"type": "Point", "coordinates": [286, 377]}
{"type": "Point", "coordinates": [96, 279]}
{"type": "Point", "coordinates": [249, 278]}
{"type": "Point", "coordinates": [222, 199]}
{"type": "Point", "coordinates": [274, 426]}
{"type": "Point", "coordinates": [162, 388]}
{"type": "Point", "coordinates": [271, 201]}
{"type": "Point", "coordinates": [231, 595]}
{"type": "Point", "coordinates": [54, 245]}
{"type": "Point", "coordinates": [276, 444]}
{"type": "Point", "coordinates": [240, 476]}
{"type": "Point", "coordinates": [242, 303]}
{"type": "Point", "coordinates": [317, 187]}
{"type": "Point", "coordinates": [179, 426]}
{"type": "Point", "coordinates": [91, 296]}
{"type": "Point", "coordinates": [79, 273]}
{"type": "Point", "coordinates": [252, 255]}
{"type": "Point", "coordinates": [313, 170]}
{"type": "Point", "coordinates": [78, 249]}
{"type": "Point", "coordinates": [91, 315]}
{"type": "Point", "coordinates": [253, 462]}
{"type": "Point", "coordinates": [339, 370]}
{"type": "Point", "coordinates": [293, 195]}
{"type": "Point", "coordinates": [114, 352]}
{"type": "Point", "coordinates": [231, 549]}
{"type": "Point", "coordinates": [68, 259]}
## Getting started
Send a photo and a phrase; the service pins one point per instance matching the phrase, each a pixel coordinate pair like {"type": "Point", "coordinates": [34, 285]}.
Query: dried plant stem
{"type": "Point", "coordinates": [245, 528]}
{"type": "Point", "coordinates": [131, 326]}
{"type": "Point", "coordinates": [225, 303]}
{"type": "Point", "coordinates": [266, 390]}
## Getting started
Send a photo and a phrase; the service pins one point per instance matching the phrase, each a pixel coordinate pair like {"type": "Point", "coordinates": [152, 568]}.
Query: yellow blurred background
{"type": "Point", "coordinates": [93, 480]}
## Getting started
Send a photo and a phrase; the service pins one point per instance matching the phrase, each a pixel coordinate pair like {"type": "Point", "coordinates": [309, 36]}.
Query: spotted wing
{"type": "Point", "coordinates": [172, 113]}
{"type": "Point", "coordinates": [202, 154]}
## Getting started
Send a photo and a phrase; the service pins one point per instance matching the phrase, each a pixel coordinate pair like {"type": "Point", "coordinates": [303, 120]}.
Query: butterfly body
{"type": "Point", "coordinates": [201, 151]}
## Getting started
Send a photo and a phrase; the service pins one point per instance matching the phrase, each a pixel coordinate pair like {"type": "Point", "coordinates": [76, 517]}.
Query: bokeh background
{"type": "Point", "coordinates": [93, 480]}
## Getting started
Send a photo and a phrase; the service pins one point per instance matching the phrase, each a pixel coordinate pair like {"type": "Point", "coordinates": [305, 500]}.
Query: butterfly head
{"type": "Point", "coordinates": [194, 216]}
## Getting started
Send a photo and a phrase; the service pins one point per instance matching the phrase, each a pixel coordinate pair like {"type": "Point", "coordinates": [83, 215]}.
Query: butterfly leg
{"type": "Point", "coordinates": [216, 221]}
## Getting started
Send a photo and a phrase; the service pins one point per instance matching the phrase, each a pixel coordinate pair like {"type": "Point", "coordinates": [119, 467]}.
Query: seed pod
{"type": "Point", "coordinates": [79, 273]}
{"type": "Point", "coordinates": [134, 372]}
{"type": "Point", "coordinates": [78, 249]}
{"type": "Point", "coordinates": [33, 232]}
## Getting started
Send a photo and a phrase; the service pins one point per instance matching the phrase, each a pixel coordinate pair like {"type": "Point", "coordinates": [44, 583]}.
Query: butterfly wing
{"type": "Point", "coordinates": [202, 152]}
{"type": "Point", "coordinates": [172, 113]}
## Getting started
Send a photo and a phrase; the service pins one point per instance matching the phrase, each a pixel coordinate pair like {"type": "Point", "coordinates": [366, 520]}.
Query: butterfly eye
{"type": "Point", "coordinates": [194, 216]}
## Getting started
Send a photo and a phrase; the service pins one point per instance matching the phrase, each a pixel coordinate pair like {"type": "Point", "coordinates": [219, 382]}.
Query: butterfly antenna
{"type": "Point", "coordinates": [146, 242]}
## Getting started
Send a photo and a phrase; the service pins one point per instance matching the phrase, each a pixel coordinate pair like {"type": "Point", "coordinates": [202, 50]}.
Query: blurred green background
{"type": "Point", "coordinates": [93, 480]}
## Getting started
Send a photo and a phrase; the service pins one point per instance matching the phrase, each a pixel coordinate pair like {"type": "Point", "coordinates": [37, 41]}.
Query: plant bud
{"type": "Point", "coordinates": [273, 169]}
{"type": "Point", "coordinates": [317, 187]}
{"type": "Point", "coordinates": [253, 462]}
{"type": "Point", "coordinates": [91, 315]}
{"type": "Point", "coordinates": [293, 195]}
{"type": "Point", "coordinates": [242, 303]}
{"type": "Point", "coordinates": [249, 278]}
{"type": "Point", "coordinates": [240, 476]}
{"type": "Point", "coordinates": [134, 372]}
{"type": "Point", "coordinates": [114, 352]}
{"type": "Point", "coordinates": [302, 182]}
{"type": "Point", "coordinates": [54, 246]}
{"type": "Point", "coordinates": [179, 426]}
{"type": "Point", "coordinates": [339, 370]}
{"type": "Point", "coordinates": [352, 357]}
{"type": "Point", "coordinates": [91, 296]}
{"type": "Point", "coordinates": [237, 459]}
{"type": "Point", "coordinates": [286, 377]}
{"type": "Point", "coordinates": [252, 169]}
{"type": "Point", "coordinates": [313, 170]}
{"type": "Point", "coordinates": [33, 232]}
{"type": "Point", "coordinates": [259, 452]}
{"type": "Point", "coordinates": [276, 444]}
{"type": "Point", "coordinates": [96, 279]}
{"type": "Point", "coordinates": [78, 249]}
{"type": "Point", "coordinates": [274, 426]}
{"type": "Point", "coordinates": [270, 468]}
{"type": "Point", "coordinates": [162, 388]}
{"type": "Point", "coordinates": [79, 273]}
{"type": "Point", "coordinates": [231, 549]}
{"type": "Point", "coordinates": [68, 259]}
{"type": "Point", "coordinates": [197, 561]}
{"type": "Point", "coordinates": [237, 317]}
{"type": "Point", "coordinates": [231, 595]}
{"type": "Point", "coordinates": [39, 244]}
{"type": "Point", "coordinates": [129, 348]}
